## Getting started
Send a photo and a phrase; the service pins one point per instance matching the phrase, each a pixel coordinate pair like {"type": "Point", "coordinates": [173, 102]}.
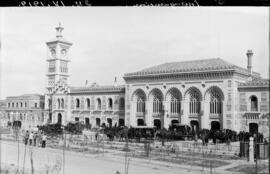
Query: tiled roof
{"type": "Point", "coordinates": [26, 96]}
{"type": "Point", "coordinates": [189, 66]}
{"type": "Point", "coordinates": [255, 83]}
{"type": "Point", "coordinates": [97, 89]}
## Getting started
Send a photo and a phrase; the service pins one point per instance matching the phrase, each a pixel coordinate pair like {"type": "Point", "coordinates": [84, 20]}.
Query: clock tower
{"type": "Point", "coordinates": [57, 60]}
{"type": "Point", "coordinates": [57, 77]}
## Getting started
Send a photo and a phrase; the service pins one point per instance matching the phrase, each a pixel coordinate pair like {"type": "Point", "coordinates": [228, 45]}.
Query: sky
{"type": "Point", "coordinates": [111, 41]}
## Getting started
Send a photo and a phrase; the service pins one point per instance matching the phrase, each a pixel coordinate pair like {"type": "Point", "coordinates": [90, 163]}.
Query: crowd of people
{"type": "Point", "coordinates": [35, 138]}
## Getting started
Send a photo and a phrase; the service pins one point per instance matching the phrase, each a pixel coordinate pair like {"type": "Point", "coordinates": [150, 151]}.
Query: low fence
{"type": "Point", "coordinates": [222, 149]}
{"type": "Point", "coordinates": [244, 149]}
{"type": "Point", "coordinates": [231, 149]}
{"type": "Point", "coordinates": [261, 150]}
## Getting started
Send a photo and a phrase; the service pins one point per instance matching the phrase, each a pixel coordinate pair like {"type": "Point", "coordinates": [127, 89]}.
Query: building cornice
{"type": "Point", "coordinates": [185, 76]}
{"type": "Point", "coordinates": [102, 89]}
{"type": "Point", "coordinates": [59, 41]}
{"type": "Point", "coordinates": [54, 59]}
{"type": "Point", "coordinates": [53, 74]}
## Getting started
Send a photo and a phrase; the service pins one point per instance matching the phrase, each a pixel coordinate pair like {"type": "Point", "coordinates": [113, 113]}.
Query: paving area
{"type": "Point", "coordinates": [250, 168]}
{"type": "Point", "coordinates": [109, 157]}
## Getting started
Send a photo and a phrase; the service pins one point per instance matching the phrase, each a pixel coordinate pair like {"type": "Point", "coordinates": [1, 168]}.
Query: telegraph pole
{"type": "Point", "coordinates": [256, 154]}
{"type": "Point", "coordinates": [0, 143]}
{"type": "Point", "coordinates": [269, 97]}
{"type": "Point", "coordinates": [64, 148]}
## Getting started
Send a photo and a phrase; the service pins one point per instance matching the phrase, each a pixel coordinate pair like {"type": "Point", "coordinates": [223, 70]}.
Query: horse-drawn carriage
{"type": "Point", "coordinates": [175, 132]}
{"type": "Point", "coordinates": [132, 133]}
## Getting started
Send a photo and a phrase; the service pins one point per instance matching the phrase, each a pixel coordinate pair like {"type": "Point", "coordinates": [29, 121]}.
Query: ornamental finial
{"type": "Point", "coordinates": [59, 30]}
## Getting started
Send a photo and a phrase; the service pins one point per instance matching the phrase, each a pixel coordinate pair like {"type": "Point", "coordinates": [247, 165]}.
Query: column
{"type": "Point", "coordinates": [148, 115]}
{"type": "Point", "coordinates": [184, 117]}
{"type": "Point", "coordinates": [166, 119]}
{"type": "Point", "coordinates": [206, 124]}
{"type": "Point", "coordinates": [133, 110]}
{"type": "Point", "coordinates": [222, 119]}
{"type": "Point", "coordinates": [68, 109]}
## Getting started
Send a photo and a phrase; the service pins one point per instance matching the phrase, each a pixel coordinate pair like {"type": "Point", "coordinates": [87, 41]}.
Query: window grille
{"type": "Point", "coordinates": [194, 103]}
{"type": "Point", "coordinates": [157, 105]}
{"type": "Point", "coordinates": [140, 105]}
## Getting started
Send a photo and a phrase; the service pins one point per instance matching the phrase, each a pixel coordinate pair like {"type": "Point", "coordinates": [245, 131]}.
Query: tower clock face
{"type": "Point", "coordinates": [53, 53]}
{"type": "Point", "coordinates": [63, 52]}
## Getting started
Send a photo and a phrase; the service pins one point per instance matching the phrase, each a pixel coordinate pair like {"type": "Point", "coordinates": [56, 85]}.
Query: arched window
{"type": "Point", "coordinates": [98, 104]}
{"type": "Point", "coordinates": [121, 103]}
{"type": "Point", "coordinates": [140, 122]}
{"type": "Point", "coordinates": [98, 121]}
{"type": "Point", "coordinates": [194, 104]}
{"type": "Point", "coordinates": [157, 105]}
{"type": "Point", "coordinates": [62, 103]}
{"type": "Point", "coordinates": [174, 97]}
{"type": "Point", "coordinates": [110, 103]}
{"type": "Point", "coordinates": [253, 103]}
{"type": "Point", "coordinates": [215, 103]}
{"type": "Point", "coordinates": [175, 105]}
{"type": "Point", "coordinates": [59, 119]}
{"type": "Point", "coordinates": [156, 97]}
{"type": "Point", "coordinates": [139, 96]}
{"type": "Point", "coordinates": [140, 104]}
{"type": "Point", "coordinates": [88, 103]}
{"type": "Point", "coordinates": [58, 103]}
{"type": "Point", "coordinates": [77, 103]}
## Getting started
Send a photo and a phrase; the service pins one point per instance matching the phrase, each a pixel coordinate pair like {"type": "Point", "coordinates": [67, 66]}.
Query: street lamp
{"type": "Point", "coordinates": [64, 147]}
{"type": "Point", "coordinates": [256, 157]}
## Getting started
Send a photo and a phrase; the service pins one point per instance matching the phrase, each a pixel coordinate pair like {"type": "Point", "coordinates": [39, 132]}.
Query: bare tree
{"type": "Point", "coordinates": [31, 160]}
{"type": "Point", "coordinates": [24, 157]}
{"type": "Point", "coordinates": [16, 132]}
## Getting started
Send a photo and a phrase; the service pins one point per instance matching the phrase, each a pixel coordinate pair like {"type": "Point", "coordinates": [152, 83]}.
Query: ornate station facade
{"type": "Point", "coordinates": [94, 105]}
{"type": "Point", "coordinates": [209, 93]}
{"type": "Point", "coordinates": [206, 93]}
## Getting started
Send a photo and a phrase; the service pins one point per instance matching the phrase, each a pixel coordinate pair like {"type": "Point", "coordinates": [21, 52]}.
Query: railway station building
{"type": "Point", "coordinates": [204, 94]}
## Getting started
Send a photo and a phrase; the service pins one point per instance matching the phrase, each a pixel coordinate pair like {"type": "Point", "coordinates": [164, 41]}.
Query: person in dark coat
{"type": "Point", "coordinates": [26, 137]}
{"type": "Point", "coordinates": [35, 138]}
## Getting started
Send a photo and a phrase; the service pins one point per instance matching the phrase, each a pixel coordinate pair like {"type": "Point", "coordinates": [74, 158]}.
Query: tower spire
{"type": "Point", "coordinates": [59, 30]}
